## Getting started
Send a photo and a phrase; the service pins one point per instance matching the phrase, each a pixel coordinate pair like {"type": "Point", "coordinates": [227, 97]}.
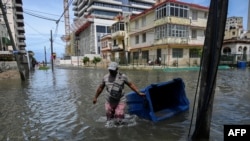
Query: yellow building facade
{"type": "Point", "coordinates": [170, 33]}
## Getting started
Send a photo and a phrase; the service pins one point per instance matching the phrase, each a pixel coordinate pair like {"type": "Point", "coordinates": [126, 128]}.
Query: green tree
{"type": "Point", "coordinates": [85, 60]}
{"type": "Point", "coordinates": [96, 60]}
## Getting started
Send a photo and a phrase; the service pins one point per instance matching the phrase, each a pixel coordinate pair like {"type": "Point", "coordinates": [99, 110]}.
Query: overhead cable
{"type": "Point", "coordinates": [64, 11]}
{"type": "Point", "coordinates": [39, 16]}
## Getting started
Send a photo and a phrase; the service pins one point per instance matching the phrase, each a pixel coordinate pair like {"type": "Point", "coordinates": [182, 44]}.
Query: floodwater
{"type": "Point", "coordinates": [58, 106]}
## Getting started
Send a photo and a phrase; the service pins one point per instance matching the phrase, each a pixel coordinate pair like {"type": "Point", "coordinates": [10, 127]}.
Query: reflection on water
{"type": "Point", "coordinates": [58, 106]}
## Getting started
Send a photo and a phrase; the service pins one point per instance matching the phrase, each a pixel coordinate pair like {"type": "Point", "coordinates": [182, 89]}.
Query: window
{"type": "Point", "coordinates": [145, 54]}
{"type": "Point", "coordinates": [194, 34]}
{"type": "Point", "coordinates": [171, 9]}
{"type": "Point", "coordinates": [121, 26]}
{"type": "Point", "coordinates": [162, 31]}
{"type": "Point", "coordinates": [101, 29]}
{"type": "Point", "coordinates": [240, 49]}
{"type": "Point", "coordinates": [114, 41]}
{"type": "Point", "coordinates": [143, 21]}
{"type": "Point", "coordinates": [178, 10]}
{"type": "Point", "coordinates": [137, 39]}
{"type": "Point", "coordinates": [108, 30]}
{"type": "Point", "coordinates": [171, 30]}
{"type": "Point", "coordinates": [177, 53]}
{"type": "Point", "coordinates": [227, 50]}
{"type": "Point", "coordinates": [144, 37]}
{"type": "Point", "coordinates": [136, 25]}
{"type": "Point", "coordinates": [194, 53]}
{"type": "Point", "coordinates": [98, 38]}
{"type": "Point", "coordinates": [135, 55]}
{"type": "Point", "coordinates": [194, 15]}
{"type": "Point", "coordinates": [157, 33]}
{"type": "Point", "coordinates": [117, 27]}
{"type": "Point", "coordinates": [205, 15]}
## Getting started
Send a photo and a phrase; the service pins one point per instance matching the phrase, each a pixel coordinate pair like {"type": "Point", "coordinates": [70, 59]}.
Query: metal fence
{"type": "Point", "coordinates": [232, 59]}
{"type": "Point", "coordinates": [169, 61]}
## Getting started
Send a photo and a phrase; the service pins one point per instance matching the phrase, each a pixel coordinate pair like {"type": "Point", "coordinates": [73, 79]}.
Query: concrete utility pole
{"type": "Point", "coordinates": [51, 57]}
{"type": "Point", "coordinates": [20, 67]}
{"type": "Point", "coordinates": [209, 63]}
{"type": "Point", "coordinates": [45, 56]}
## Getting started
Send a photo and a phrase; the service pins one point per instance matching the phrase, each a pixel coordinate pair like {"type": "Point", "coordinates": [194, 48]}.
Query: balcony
{"type": "Point", "coordinates": [106, 48]}
{"type": "Point", "coordinates": [117, 47]}
{"type": "Point", "coordinates": [21, 21]}
{"type": "Point", "coordinates": [21, 44]}
{"type": "Point", "coordinates": [82, 4]}
{"type": "Point", "coordinates": [19, 15]}
{"type": "Point", "coordinates": [74, 2]}
{"type": "Point", "coordinates": [75, 9]}
{"type": "Point", "coordinates": [117, 30]}
{"type": "Point", "coordinates": [20, 24]}
{"type": "Point", "coordinates": [21, 29]}
{"type": "Point", "coordinates": [82, 11]}
{"type": "Point", "coordinates": [200, 23]}
{"type": "Point", "coordinates": [105, 1]}
{"type": "Point", "coordinates": [172, 20]}
{"type": "Point", "coordinates": [118, 34]}
{"type": "Point", "coordinates": [136, 12]}
{"type": "Point", "coordinates": [147, 1]}
{"type": "Point", "coordinates": [19, 7]}
{"type": "Point", "coordinates": [140, 6]}
{"type": "Point", "coordinates": [21, 36]}
{"type": "Point", "coordinates": [76, 14]}
{"type": "Point", "coordinates": [104, 8]}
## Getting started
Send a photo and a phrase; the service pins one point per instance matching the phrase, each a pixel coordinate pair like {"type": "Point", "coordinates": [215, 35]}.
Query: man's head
{"type": "Point", "coordinates": [113, 68]}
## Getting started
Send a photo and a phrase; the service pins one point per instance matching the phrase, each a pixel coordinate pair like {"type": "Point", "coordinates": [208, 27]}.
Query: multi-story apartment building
{"type": "Point", "coordinates": [106, 47]}
{"type": "Point", "coordinates": [15, 18]}
{"type": "Point", "coordinates": [4, 40]}
{"type": "Point", "coordinates": [108, 9]}
{"type": "Point", "coordinates": [141, 35]}
{"type": "Point", "coordinates": [94, 17]}
{"type": "Point", "coordinates": [234, 27]}
{"type": "Point", "coordinates": [236, 45]}
{"type": "Point", "coordinates": [170, 33]}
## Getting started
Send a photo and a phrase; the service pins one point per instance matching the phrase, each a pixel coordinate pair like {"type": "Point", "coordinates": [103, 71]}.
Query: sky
{"type": "Point", "coordinates": [37, 30]}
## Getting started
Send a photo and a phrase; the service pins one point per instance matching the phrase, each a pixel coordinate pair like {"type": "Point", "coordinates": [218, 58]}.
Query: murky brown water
{"type": "Point", "coordinates": [58, 106]}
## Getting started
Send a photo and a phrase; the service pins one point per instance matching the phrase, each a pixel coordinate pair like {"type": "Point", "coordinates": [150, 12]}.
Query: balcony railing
{"type": "Point", "coordinates": [116, 47]}
{"type": "Point", "coordinates": [118, 34]}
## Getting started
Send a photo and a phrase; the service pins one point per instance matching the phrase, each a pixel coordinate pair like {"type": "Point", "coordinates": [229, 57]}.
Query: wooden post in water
{"type": "Point", "coordinates": [20, 67]}
{"type": "Point", "coordinates": [209, 66]}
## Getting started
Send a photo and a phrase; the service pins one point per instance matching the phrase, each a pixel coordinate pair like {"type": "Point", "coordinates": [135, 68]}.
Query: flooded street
{"type": "Point", "coordinates": [58, 106]}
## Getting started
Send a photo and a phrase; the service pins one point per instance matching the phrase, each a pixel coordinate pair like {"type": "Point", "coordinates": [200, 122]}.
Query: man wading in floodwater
{"type": "Point", "coordinates": [115, 99]}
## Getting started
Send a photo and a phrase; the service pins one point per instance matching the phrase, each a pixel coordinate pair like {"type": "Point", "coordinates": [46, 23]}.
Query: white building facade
{"type": "Point", "coordinates": [15, 18]}
{"type": "Point", "coordinates": [94, 17]}
{"type": "Point", "coordinates": [236, 45]}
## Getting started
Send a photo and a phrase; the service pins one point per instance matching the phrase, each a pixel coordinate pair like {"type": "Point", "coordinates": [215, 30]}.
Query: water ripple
{"type": "Point", "coordinates": [58, 106]}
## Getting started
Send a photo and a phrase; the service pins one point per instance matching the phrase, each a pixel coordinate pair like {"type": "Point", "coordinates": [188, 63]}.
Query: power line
{"type": "Point", "coordinates": [31, 13]}
{"type": "Point", "coordinates": [34, 29]}
{"type": "Point", "coordinates": [40, 12]}
{"type": "Point", "coordinates": [40, 16]}
{"type": "Point", "coordinates": [64, 11]}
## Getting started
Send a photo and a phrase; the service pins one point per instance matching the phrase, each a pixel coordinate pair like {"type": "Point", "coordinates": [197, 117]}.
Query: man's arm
{"type": "Point", "coordinates": [98, 92]}
{"type": "Point", "coordinates": [134, 88]}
